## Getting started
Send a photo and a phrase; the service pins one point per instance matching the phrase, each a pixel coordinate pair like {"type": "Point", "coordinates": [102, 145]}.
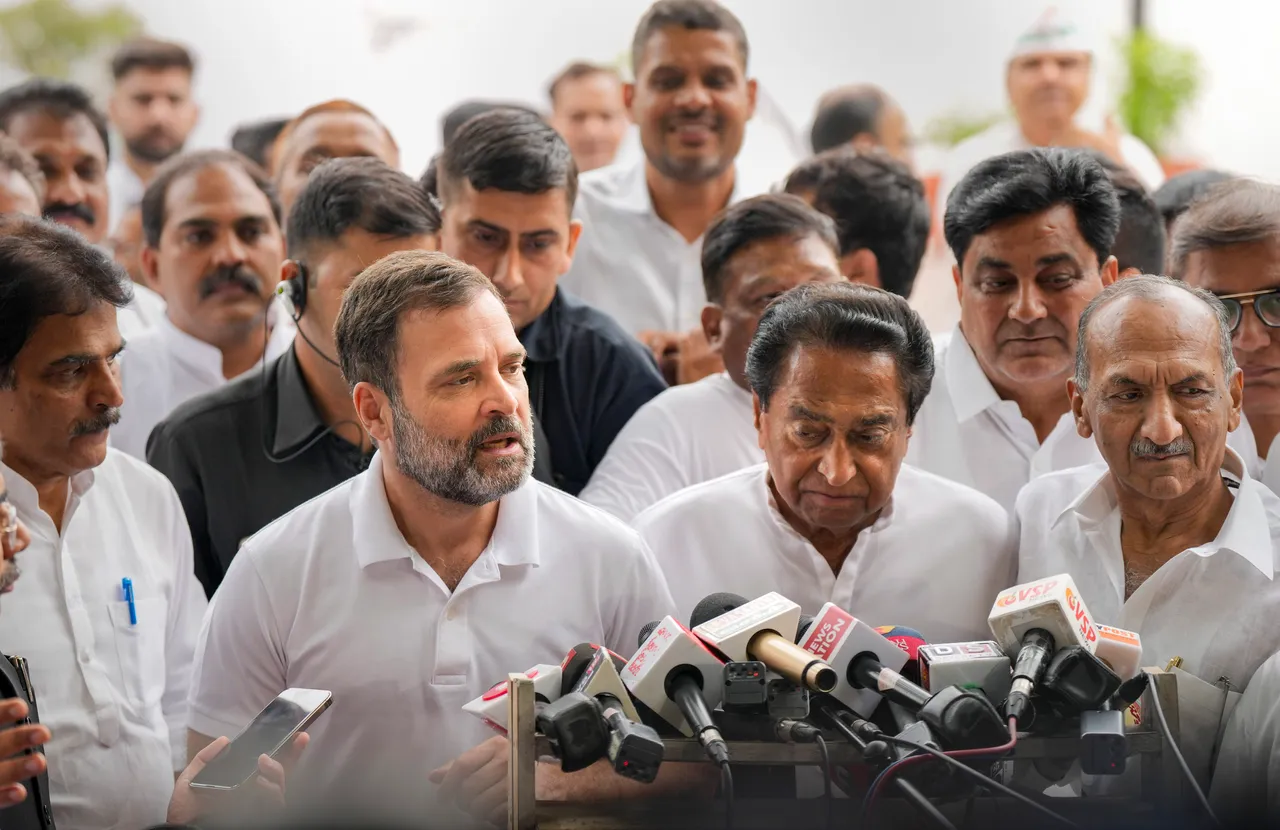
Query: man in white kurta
{"type": "Point", "coordinates": [754, 251]}
{"type": "Point", "coordinates": [833, 515]}
{"type": "Point", "coordinates": [1228, 242]}
{"type": "Point", "coordinates": [1031, 233]}
{"type": "Point", "coordinates": [643, 222]}
{"type": "Point", "coordinates": [110, 669]}
{"type": "Point", "coordinates": [1171, 537]}
{"type": "Point", "coordinates": [1047, 79]}
{"type": "Point", "coordinates": [214, 246]}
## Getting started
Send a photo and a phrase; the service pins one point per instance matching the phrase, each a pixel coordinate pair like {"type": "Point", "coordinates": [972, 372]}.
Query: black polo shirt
{"type": "Point", "coordinates": [587, 377]}
{"type": "Point", "coordinates": [215, 449]}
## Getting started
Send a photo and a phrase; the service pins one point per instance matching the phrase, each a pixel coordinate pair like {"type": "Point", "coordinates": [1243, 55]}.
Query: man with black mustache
{"type": "Point", "coordinates": [214, 247]}
{"type": "Point", "coordinates": [639, 258]}
{"type": "Point", "coordinates": [153, 112]}
{"type": "Point", "coordinates": [58, 124]}
{"type": "Point", "coordinates": [1171, 537]}
{"type": "Point", "coordinates": [1032, 233]}
{"type": "Point", "coordinates": [111, 675]}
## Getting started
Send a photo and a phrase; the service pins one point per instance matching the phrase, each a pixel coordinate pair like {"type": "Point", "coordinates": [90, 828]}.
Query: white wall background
{"type": "Point", "coordinates": [410, 60]}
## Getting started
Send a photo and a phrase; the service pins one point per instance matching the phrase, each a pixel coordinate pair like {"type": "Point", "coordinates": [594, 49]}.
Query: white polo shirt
{"type": "Point", "coordinates": [331, 596]}
{"type": "Point", "coordinates": [1217, 605]}
{"type": "Point", "coordinates": [686, 435]}
{"type": "Point", "coordinates": [164, 367]}
{"type": "Point", "coordinates": [113, 692]}
{"type": "Point", "coordinates": [966, 433]}
{"type": "Point", "coordinates": [629, 263]}
{"type": "Point", "coordinates": [934, 560]}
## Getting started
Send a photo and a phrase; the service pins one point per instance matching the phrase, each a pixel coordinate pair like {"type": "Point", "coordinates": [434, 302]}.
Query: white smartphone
{"type": "Point", "coordinates": [271, 731]}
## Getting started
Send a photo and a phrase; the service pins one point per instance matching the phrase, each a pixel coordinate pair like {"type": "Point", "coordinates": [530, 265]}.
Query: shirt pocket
{"type": "Point", "coordinates": [140, 649]}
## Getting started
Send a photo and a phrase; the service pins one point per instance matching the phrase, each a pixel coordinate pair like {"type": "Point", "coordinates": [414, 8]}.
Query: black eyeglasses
{"type": "Point", "coordinates": [1266, 304]}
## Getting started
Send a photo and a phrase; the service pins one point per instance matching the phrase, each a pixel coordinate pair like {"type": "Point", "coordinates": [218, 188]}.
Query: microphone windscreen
{"type": "Point", "coordinates": [909, 640]}
{"type": "Point", "coordinates": [575, 663]}
{"type": "Point", "coordinates": [646, 631]}
{"type": "Point", "coordinates": [803, 626]}
{"type": "Point", "coordinates": [713, 606]}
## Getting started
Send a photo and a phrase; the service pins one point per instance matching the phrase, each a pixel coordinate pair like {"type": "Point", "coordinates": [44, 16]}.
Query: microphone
{"type": "Point", "coordinates": [1121, 650]}
{"type": "Point", "coordinates": [582, 730]}
{"type": "Point", "coordinates": [1076, 681]}
{"type": "Point", "coordinates": [743, 630]}
{"type": "Point", "coordinates": [961, 718]}
{"type": "Point", "coordinates": [590, 669]}
{"type": "Point", "coordinates": [634, 749]}
{"type": "Point", "coordinates": [1029, 621]}
{"type": "Point", "coordinates": [980, 666]}
{"type": "Point", "coordinates": [491, 707]}
{"type": "Point", "coordinates": [838, 637]}
{"type": "Point", "coordinates": [679, 679]}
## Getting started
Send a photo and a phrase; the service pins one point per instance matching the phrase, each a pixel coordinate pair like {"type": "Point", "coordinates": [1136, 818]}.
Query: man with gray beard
{"type": "Point", "coordinates": [1171, 537]}
{"type": "Point", "coordinates": [111, 665]}
{"type": "Point", "coordinates": [415, 586]}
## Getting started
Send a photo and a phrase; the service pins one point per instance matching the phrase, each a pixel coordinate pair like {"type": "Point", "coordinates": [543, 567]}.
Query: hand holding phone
{"type": "Point", "coordinates": [271, 731]}
{"type": "Point", "coordinates": [190, 804]}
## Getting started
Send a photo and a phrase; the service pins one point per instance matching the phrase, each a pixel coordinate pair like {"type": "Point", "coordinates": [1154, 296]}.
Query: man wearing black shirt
{"type": "Point", "coordinates": [507, 182]}
{"type": "Point", "coordinates": [246, 454]}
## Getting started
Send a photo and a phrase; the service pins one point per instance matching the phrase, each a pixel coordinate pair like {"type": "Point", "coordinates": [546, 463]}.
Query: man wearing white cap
{"type": "Point", "coordinates": [1047, 79]}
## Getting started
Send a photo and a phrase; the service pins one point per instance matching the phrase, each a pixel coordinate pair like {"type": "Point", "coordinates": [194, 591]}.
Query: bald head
{"type": "Point", "coordinates": [1150, 302]}
{"type": "Point", "coordinates": [1158, 390]}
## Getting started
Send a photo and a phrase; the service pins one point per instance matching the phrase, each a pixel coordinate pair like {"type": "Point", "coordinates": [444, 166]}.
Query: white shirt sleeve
{"type": "Point", "coordinates": [641, 466]}
{"type": "Point", "coordinates": [643, 598]}
{"type": "Point", "coordinates": [240, 664]}
{"type": "Point", "coordinates": [186, 610]}
{"type": "Point", "coordinates": [1246, 778]}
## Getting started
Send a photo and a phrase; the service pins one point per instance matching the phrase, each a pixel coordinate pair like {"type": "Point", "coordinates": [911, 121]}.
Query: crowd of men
{"type": "Point", "coordinates": [395, 437]}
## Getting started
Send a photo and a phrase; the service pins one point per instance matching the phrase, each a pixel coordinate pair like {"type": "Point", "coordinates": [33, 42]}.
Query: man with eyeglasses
{"type": "Point", "coordinates": [1229, 244]}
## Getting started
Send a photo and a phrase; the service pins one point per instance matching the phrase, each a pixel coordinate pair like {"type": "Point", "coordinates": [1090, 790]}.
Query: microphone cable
{"type": "Point", "coordinates": [826, 774]}
{"type": "Point", "coordinates": [1177, 753]}
{"type": "Point", "coordinates": [984, 781]}
{"type": "Point", "coordinates": [726, 789]}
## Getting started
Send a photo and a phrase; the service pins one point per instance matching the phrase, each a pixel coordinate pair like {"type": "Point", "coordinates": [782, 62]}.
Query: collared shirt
{"type": "Point", "coordinates": [113, 692]}
{"type": "Point", "coordinates": [687, 435]}
{"type": "Point", "coordinates": [587, 377]}
{"type": "Point", "coordinates": [244, 455]}
{"type": "Point", "coordinates": [1266, 470]}
{"type": "Point", "coordinates": [164, 367]}
{"type": "Point", "coordinates": [629, 263]}
{"type": "Point", "coordinates": [966, 433]}
{"type": "Point", "coordinates": [331, 596]}
{"type": "Point", "coordinates": [935, 559]}
{"type": "Point", "coordinates": [1216, 605]}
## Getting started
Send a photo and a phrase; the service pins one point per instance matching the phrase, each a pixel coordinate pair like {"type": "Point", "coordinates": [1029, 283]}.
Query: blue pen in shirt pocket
{"type": "Point", "coordinates": [127, 585]}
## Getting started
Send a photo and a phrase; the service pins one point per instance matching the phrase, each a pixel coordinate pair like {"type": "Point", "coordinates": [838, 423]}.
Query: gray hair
{"type": "Point", "coordinates": [1234, 212]}
{"type": "Point", "coordinates": [1149, 287]}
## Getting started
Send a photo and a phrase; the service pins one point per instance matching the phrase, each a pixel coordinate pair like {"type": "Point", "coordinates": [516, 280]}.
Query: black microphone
{"type": "Point", "coordinates": [1077, 680]}
{"type": "Point", "coordinates": [634, 749]}
{"type": "Point", "coordinates": [672, 666]}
